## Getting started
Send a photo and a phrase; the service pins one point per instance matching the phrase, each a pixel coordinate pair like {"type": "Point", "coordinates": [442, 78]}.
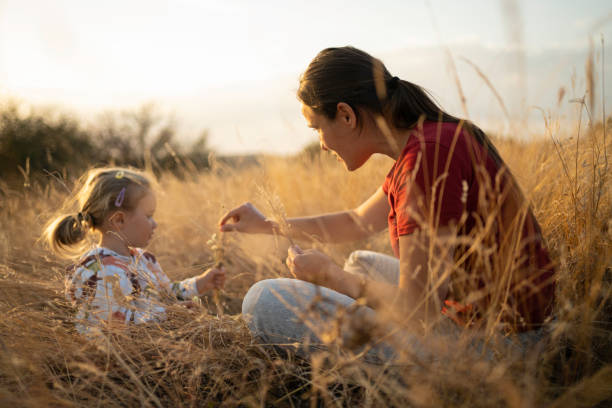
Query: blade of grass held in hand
{"type": "Point", "coordinates": [217, 245]}
{"type": "Point", "coordinates": [278, 212]}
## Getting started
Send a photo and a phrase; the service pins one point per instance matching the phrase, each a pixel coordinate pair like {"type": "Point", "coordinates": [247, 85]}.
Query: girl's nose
{"type": "Point", "coordinates": [154, 224]}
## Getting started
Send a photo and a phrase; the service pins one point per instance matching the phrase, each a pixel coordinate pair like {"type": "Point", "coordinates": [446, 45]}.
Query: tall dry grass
{"type": "Point", "coordinates": [205, 358]}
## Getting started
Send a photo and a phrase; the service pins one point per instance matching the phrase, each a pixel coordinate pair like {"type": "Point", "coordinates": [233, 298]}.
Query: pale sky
{"type": "Point", "coordinates": [232, 66]}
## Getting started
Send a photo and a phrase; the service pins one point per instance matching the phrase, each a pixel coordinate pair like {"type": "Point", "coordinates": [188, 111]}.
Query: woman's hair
{"type": "Point", "coordinates": [354, 77]}
{"type": "Point", "coordinates": [98, 194]}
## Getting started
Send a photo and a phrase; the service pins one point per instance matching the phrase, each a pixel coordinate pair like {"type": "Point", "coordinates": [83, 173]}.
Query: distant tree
{"type": "Point", "coordinates": [145, 138]}
{"type": "Point", "coordinates": [41, 142]}
{"type": "Point", "coordinates": [136, 137]}
{"type": "Point", "coordinates": [38, 143]}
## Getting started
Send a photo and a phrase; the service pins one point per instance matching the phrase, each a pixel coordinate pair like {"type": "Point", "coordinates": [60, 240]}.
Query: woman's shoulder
{"type": "Point", "coordinates": [429, 136]}
{"type": "Point", "coordinates": [441, 133]}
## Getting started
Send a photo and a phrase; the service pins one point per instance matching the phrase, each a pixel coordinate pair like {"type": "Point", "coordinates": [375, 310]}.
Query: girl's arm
{"type": "Point", "coordinates": [350, 225]}
{"type": "Point", "coordinates": [423, 284]}
{"type": "Point", "coordinates": [213, 278]}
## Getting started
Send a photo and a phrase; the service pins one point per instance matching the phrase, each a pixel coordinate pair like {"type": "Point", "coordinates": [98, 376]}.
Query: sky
{"type": "Point", "coordinates": [232, 67]}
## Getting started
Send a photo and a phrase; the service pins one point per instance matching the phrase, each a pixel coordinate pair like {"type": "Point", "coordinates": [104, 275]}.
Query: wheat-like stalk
{"type": "Point", "coordinates": [217, 245]}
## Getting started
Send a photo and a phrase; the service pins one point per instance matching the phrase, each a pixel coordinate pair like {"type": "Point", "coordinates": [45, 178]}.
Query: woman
{"type": "Point", "coordinates": [466, 243]}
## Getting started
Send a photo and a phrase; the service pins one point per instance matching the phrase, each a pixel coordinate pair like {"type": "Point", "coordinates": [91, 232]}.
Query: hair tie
{"type": "Point", "coordinates": [119, 174]}
{"type": "Point", "coordinates": [120, 198]}
{"type": "Point", "coordinates": [393, 83]}
{"type": "Point", "coordinates": [84, 219]}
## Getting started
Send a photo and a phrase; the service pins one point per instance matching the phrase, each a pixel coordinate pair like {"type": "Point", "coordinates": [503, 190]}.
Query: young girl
{"type": "Point", "coordinates": [118, 281]}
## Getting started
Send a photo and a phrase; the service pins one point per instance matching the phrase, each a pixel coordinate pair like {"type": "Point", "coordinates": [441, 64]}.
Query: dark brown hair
{"type": "Point", "coordinates": [354, 77]}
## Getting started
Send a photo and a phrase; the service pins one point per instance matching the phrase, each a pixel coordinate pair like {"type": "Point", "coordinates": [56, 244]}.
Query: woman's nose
{"type": "Point", "coordinates": [323, 147]}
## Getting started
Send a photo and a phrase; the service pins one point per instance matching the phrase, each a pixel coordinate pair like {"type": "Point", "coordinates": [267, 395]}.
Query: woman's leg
{"type": "Point", "coordinates": [376, 266]}
{"type": "Point", "coordinates": [298, 315]}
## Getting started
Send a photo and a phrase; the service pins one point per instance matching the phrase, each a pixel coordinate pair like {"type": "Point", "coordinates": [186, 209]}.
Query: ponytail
{"type": "Point", "coordinates": [64, 233]}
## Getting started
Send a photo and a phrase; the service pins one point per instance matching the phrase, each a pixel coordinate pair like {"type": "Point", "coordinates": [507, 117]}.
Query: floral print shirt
{"type": "Point", "coordinates": [105, 286]}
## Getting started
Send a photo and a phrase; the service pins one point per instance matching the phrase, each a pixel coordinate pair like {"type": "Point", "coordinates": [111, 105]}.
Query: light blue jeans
{"type": "Point", "coordinates": [299, 316]}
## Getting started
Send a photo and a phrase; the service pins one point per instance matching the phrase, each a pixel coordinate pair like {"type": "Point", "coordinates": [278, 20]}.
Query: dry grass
{"type": "Point", "coordinates": [204, 358]}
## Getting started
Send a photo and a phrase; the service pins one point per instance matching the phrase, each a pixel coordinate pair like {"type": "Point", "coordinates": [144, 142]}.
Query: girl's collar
{"type": "Point", "coordinates": [133, 252]}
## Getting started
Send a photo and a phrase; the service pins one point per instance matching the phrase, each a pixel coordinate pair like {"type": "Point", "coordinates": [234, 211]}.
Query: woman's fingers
{"type": "Point", "coordinates": [309, 265]}
{"type": "Point", "coordinates": [245, 218]}
{"type": "Point", "coordinates": [293, 255]}
{"type": "Point", "coordinates": [235, 214]}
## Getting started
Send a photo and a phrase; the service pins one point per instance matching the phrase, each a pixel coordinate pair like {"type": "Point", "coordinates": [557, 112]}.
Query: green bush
{"type": "Point", "coordinates": [37, 144]}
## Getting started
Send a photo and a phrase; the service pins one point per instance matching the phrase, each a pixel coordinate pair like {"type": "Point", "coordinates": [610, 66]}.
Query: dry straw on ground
{"type": "Point", "coordinates": [205, 358]}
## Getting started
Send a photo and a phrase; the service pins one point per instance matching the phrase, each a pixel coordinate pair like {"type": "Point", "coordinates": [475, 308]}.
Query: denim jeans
{"type": "Point", "coordinates": [299, 316]}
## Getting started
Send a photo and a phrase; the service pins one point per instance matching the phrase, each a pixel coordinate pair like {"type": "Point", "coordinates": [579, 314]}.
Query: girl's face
{"type": "Point", "coordinates": [139, 223]}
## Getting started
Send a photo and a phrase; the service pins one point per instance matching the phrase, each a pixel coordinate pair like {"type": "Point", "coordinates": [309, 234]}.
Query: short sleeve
{"type": "Point", "coordinates": [430, 189]}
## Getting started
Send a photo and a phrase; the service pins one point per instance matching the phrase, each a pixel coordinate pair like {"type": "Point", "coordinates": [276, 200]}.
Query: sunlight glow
{"type": "Point", "coordinates": [92, 56]}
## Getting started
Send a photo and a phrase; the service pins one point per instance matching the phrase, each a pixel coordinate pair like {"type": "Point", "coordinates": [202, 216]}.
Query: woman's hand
{"type": "Point", "coordinates": [246, 218]}
{"type": "Point", "coordinates": [213, 278]}
{"type": "Point", "coordinates": [309, 265]}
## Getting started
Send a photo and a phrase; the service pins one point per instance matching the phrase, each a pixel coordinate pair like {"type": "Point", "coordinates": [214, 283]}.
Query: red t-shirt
{"type": "Point", "coordinates": [444, 177]}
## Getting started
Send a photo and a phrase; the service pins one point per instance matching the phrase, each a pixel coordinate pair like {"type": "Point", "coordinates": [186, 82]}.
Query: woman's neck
{"type": "Point", "coordinates": [114, 242]}
{"type": "Point", "coordinates": [383, 138]}
{"type": "Point", "coordinates": [391, 142]}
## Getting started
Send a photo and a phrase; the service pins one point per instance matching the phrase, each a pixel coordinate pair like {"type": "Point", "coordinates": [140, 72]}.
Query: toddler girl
{"type": "Point", "coordinates": [118, 281]}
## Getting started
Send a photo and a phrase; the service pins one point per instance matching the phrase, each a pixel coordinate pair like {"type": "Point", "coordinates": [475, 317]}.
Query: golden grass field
{"type": "Point", "coordinates": [205, 357]}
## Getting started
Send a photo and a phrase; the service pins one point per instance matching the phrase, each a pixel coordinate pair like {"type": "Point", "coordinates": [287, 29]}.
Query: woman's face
{"type": "Point", "coordinates": [339, 135]}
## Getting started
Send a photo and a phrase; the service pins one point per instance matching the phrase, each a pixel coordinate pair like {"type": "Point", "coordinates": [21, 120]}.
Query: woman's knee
{"type": "Point", "coordinates": [359, 261]}
{"type": "Point", "coordinates": [269, 309]}
{"type": "Point", "coordinates": [255, 296]}
{"type": "Point", "coordinates": [377, 266]}
{"type": "Point", "coordinates": [275, 298]}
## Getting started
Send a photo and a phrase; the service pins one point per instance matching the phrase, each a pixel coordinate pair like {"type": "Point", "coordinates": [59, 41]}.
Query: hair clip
{"type": "Point", "coordinates": [120, 198]}
{"type": "Point", "coordinates": [119, 174]}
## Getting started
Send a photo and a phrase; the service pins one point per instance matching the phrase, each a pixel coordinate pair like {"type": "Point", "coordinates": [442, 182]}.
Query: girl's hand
{"type": "Point", "coordinates": [213, 278]}
{"type": "Point", "coordinates": [309, 265]}
{"type": "Point", "coordinates": [246, 218]}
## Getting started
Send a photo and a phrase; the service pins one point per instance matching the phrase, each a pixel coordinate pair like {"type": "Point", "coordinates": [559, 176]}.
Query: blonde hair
{"type": "Point", "coordinates": [98, 194]}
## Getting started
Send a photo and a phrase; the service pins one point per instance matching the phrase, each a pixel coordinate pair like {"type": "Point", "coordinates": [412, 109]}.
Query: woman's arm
{"type": "Point", "coordinates": [423, 284]}
{"type": "Point", "coordinates": [351, 225]}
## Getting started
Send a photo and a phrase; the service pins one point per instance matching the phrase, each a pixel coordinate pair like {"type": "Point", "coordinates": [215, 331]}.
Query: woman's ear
{"type": "Point", "coordinates": [346, 114]}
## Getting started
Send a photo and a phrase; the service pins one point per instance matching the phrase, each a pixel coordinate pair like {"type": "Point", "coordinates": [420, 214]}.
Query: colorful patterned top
{"type": "Point", "coordinates": [105, 286]}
